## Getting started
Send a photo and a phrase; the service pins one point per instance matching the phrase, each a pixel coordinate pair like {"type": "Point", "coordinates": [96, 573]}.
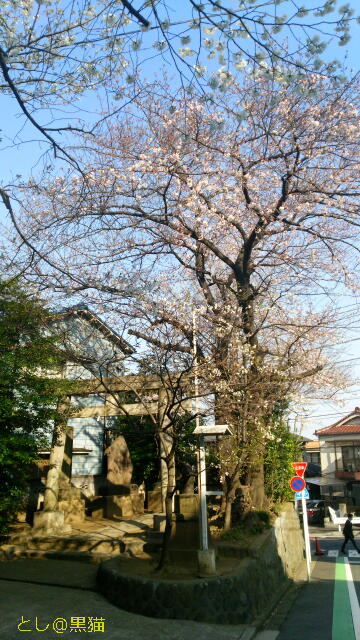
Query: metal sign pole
{"type": "Point", "coordinates": [306, 536]}
{"type": "Point", "coordinates": [204, 544]}
{"type": "Point", "coordinates": [201, 459]}
{"type": "Point", "coordinates": [206, 556]}
{"type": "Point", "coordinates": [297, 484]}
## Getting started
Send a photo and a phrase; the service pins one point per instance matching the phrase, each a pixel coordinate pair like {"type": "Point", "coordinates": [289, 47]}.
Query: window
{"type": "Point", "coordinates": [313, 457]}
{"type": "Point", "coordinates": [351, 458]}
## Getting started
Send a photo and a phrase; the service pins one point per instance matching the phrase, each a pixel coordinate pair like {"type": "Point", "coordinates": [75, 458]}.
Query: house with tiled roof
{"type": "Point", "coordinates": [311, 452]}
{"type": "Point", "coordinates": [340, 457]}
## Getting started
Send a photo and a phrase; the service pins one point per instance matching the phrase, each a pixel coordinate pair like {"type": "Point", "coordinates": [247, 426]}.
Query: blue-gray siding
{"type": "Point", "coordinates": [88, 434]}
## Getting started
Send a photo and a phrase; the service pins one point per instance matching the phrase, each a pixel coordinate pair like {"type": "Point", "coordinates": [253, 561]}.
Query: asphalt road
{"type": "Point", "coordinates": [326, 608]}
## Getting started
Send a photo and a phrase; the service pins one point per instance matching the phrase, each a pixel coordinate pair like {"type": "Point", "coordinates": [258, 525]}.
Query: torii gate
{"type": "Point", "coordinates": [60, 462]}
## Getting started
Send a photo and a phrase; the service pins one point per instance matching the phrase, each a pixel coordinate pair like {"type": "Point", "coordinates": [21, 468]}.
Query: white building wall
{"type": "Point", "coordinates": [327, 457]}
{"type": "Point", "coordinates": [330, 456]}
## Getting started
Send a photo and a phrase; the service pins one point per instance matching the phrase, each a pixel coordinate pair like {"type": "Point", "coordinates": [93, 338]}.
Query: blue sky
{"type": "Point", "coordinates": [319, 413]}
{"type": "Point", "coordinates": [21, 152]}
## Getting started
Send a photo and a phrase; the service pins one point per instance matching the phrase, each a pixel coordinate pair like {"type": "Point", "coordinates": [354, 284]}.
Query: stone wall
{"type": "Point", "coordinates": [271, 563]}
{"type": "Point", "coordinates": [289, 540]}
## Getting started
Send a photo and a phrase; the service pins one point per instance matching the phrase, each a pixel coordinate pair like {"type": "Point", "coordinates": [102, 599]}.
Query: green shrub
{"type": "Point", "coordinates": [28, 399]}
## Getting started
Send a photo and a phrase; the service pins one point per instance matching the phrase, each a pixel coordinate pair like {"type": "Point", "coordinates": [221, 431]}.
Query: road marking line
{"type": "Point", "coordinates": [354, 603]}
{"type": "Point", "coordinates": [342, 625]}
{"type": "Point", "coordinates": [334, 553]}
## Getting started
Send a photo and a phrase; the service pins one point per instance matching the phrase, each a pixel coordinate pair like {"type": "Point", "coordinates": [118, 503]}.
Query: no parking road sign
{"type": "Point", "coordinates": [297, 483]}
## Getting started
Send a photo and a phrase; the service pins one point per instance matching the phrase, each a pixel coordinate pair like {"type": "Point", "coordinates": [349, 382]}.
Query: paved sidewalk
{"type": "Point", "coordinates": [40, 591]}
{"type": "Point", "coordinates": [26, 595]}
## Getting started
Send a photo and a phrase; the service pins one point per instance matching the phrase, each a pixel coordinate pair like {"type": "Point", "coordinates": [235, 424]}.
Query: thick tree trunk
{"type": "Point", "coordinates": [168, 471]}
{"type": "Point", "coordinates": [256, 483]}
{"type": "Point", "coordinates": [168, 508]}
{"type": "Point", "coordinates": [228, 515]}
{"type": "Point", "coordinates": [55, 464]}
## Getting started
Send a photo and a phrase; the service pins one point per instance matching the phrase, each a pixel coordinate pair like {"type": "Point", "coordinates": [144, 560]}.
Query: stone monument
{"type": "Point", "coordinates": [119, 465]}
{"type": "Point", "coordinates": [184, 540]}
{"type": "Point", "coordinates": [122, 498]}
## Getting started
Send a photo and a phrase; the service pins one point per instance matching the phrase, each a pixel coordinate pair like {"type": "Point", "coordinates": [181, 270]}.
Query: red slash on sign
{"type": "Point", "coordinates": [297, 483]}
{"type": "Point", "coordinates": [299, 468]}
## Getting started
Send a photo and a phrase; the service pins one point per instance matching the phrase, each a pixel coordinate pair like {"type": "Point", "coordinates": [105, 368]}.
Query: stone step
{"type": "Point", "coordinates": [139, 543]}
{"type": "Point", "coordinates": [17, 539]}
{"type": "Point", "coordinates": [133, 548]}
{"type": "Point", "coordinates": [10, 551]}
{"type": "Point", "coordinates": [13, 552]}
{"type": "Point", "coordinates": [80, 556]}
{"type": "Point", "coordinates": [45, 542]}
{"type": "Point", "coordinates": [77, 544]}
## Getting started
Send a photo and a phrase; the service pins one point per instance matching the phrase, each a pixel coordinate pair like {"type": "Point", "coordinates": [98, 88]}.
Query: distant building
{"type": "Point", "coordinates": [340, 458]}
{"type": "Point", "coordinates": [311, 455]}
{"type": "Point", "coordinates": [311, 452]}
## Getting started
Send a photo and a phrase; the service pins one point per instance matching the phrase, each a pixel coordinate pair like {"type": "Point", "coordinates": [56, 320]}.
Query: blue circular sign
{"type": "Point", "coordinates": [297, 483]}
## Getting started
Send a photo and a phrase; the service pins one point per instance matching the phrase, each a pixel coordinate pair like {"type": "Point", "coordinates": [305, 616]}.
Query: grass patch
{"type": "Point", "coordinates": [253, 524]}
{"type": "Point", "coordinates": [235, 534]}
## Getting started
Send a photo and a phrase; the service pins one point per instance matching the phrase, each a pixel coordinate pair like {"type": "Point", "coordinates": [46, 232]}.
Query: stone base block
{"type": "Point", "coordinates": [96, 507]}
{"type": "Point", "coordinates": [187, 506]}
{"type": "Point", "coordinates": [49, 522]}
{"type": "Point", "coordinates": [206, 562]}
{"type": "Point", "coordinates": [137, 502]}
{"type": "Point", "coordinates": [97, 514]}
{"type": "Point", "coordinates": [119, 507]}
{"type": "Point", "coordinates": [159, 522]}
{"type": "Point", "coordinates": [184, 534]}
{"type": "Point", "coordinates": [154, 501]}
{"type": "Point", "coordinates": [74, 510]}
{"type": "Point", "coordinates": [69, 493]}
{"type": "Point", "coordinates": [21, 516]}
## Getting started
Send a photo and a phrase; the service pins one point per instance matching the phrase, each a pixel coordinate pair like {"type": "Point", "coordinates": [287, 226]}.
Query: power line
{"type": "Point", "coordinates": [349, 360]}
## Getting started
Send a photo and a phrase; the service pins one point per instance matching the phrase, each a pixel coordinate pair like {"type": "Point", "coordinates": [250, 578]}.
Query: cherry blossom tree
{"type": "Point", "coordinates": [53, 53]}
{"type": "Point", "coordinates": [242, 207]}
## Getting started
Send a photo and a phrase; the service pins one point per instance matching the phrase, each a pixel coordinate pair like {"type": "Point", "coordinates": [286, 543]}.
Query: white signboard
{"type": "Point", "coordinates": [300, 494]}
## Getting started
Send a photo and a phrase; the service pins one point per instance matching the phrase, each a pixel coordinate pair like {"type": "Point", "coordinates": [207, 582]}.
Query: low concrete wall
{"type": "Point", "coordinates": [230, 599]}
